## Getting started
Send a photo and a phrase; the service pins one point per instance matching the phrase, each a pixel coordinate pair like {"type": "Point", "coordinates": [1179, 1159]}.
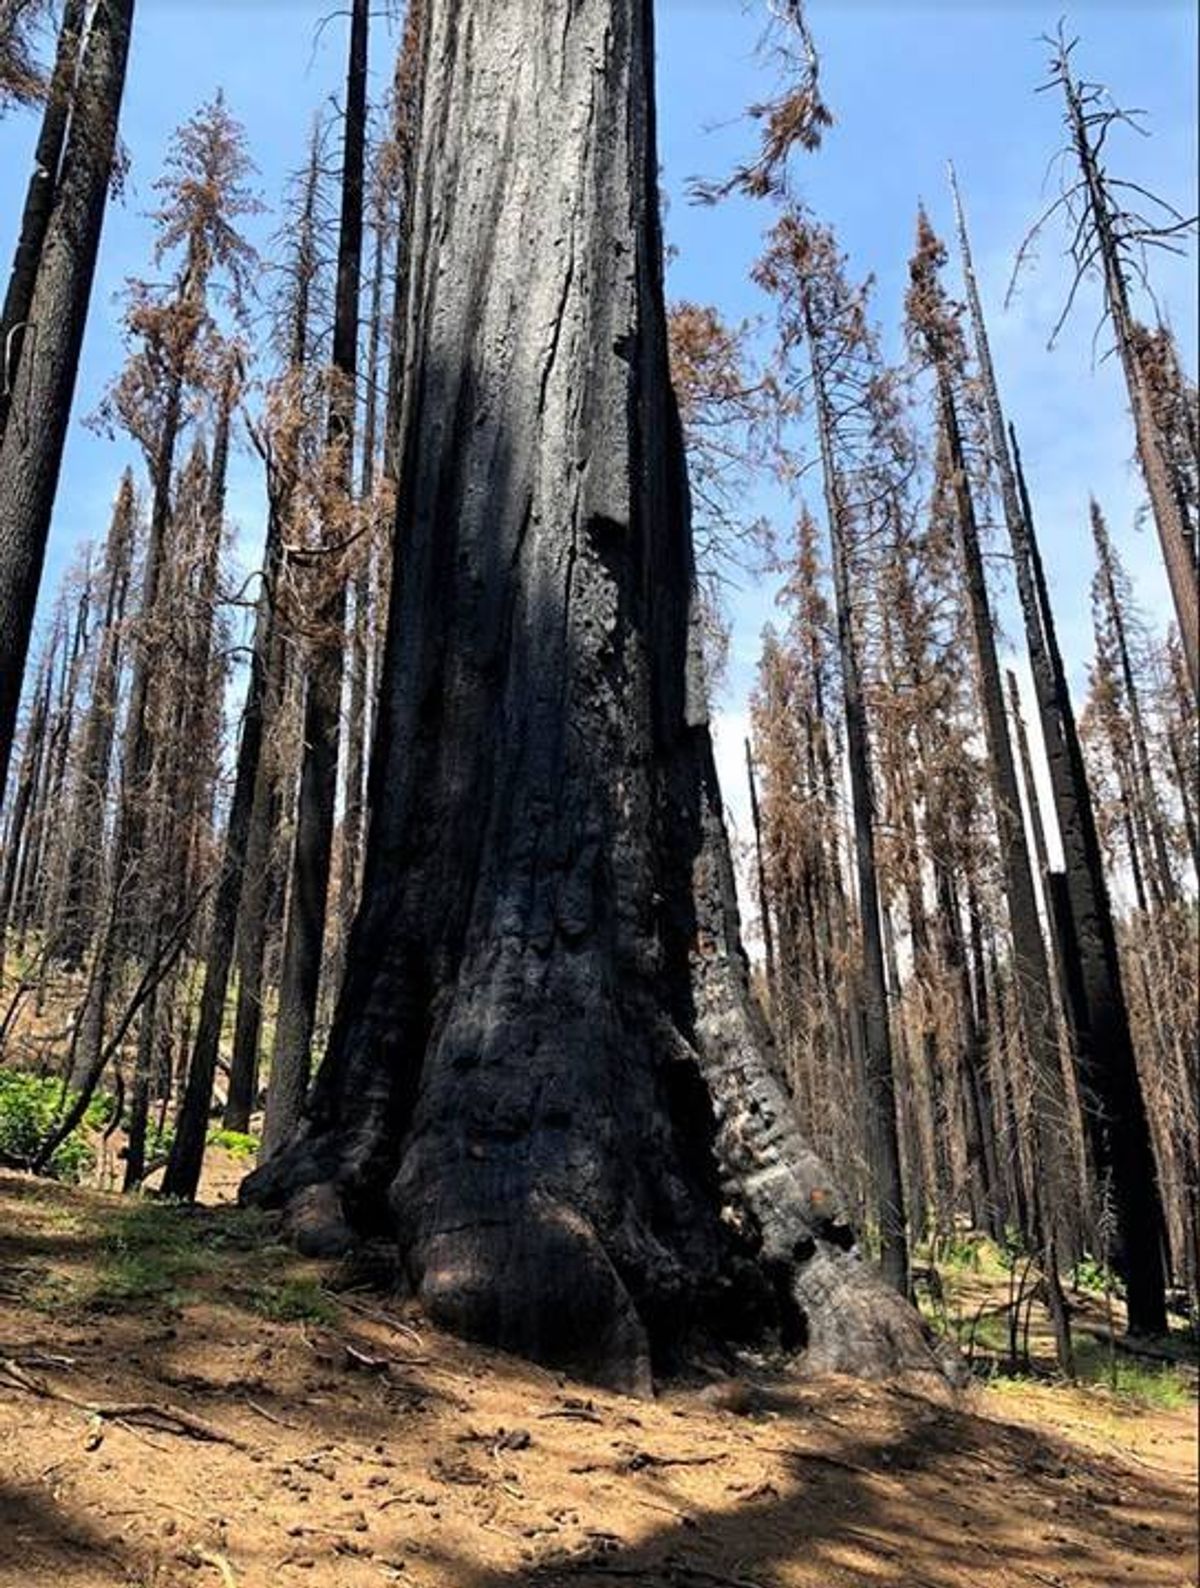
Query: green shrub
{"type": "Point", "coordinates": [1013, 1251]}
{"type": "Point", "coordinates": [30, 1106]}
{"type": "Point", "coordinates": [1090, 1274]}
{"type": "Point", "coordinates": [235, 1142]}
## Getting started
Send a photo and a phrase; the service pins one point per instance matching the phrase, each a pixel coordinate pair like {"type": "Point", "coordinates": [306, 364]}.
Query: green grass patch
{"type": "Point", "coordinates": [293, 1301]}
{"type": "Point", "coordinates": [152, 1254]}
{"type": "Point", "coordinates": [1161, 1385]}
{"type": "Point", "coordinates": [148, 1255]}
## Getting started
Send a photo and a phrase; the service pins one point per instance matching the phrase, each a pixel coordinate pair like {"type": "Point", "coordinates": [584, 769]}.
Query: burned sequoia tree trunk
{"type": "Point", "coordinates": [546, 1075]}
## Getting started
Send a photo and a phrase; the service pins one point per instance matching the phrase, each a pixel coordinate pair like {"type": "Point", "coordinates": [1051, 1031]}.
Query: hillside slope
{"type": "Point", "coordinates": [184, 1402]}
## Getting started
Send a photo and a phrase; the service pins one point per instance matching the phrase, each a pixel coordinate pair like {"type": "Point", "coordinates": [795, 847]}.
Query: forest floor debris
{"type": "Point", "coordinates": [362, 1447]}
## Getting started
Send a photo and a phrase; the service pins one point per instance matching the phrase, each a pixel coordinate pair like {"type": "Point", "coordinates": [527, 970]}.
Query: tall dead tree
{"type": "Point", "coordinates": [28, 776]}
{"type": "Point", "coordinates": [44, 385]}
{"type": "Point", "coordinates": [182, 1176]}
{"type": "Point", "coordinates": [85, 833]}
{"type": "Point", "coordinates": [1111, 599]}
{"type": "Point", "coordinates": [304, 938]}
{"type": "Point", "coordinates": [818, 312]}
{"type": "Point", "coordinates": [39, 199]}
{"type": "Point", "coordinates": [937, 337]}
{"type": "Point", "coordinates": [546, 1074]}
{"type": "Point", "coordinates": [1114, 1109]}
{"type": "Point", "coordinates": [815, 1003]}
{"type": "Point", "coordinates": [1112, 239]}
{"type": "Point", "coordinates": [283, 440]}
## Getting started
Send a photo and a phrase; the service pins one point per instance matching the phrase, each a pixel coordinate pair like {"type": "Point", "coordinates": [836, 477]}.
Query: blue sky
{"type": "Point", "coordinates": [910, 84]}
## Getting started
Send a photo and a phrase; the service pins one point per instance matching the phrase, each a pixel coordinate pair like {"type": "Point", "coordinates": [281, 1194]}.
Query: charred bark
{"type": "Point", "coordinates": [1030, 967]}
{"type": "Point", "coordinates": [39, 201]}
{"type": "Point", "coordinates": [182, 1175]}
{"type": "Point", "coordinates": [305, 934]}
{"type": "Point", "coordinates": [546, 1075]}
{"type": "Point", "coordinates": [84, 858]}
{"type": "Point", "coordinates": [1175, 534]}
{"type": "Point", "coordinates": [35, 432]}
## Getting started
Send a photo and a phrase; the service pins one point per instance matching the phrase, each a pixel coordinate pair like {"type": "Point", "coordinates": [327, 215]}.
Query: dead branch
{"type": "Point", "coordinates": [170, 1419]}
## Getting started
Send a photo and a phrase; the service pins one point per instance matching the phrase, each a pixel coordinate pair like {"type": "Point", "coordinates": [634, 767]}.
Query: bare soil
{"type": "Point", "coordinates": [183, 1402]}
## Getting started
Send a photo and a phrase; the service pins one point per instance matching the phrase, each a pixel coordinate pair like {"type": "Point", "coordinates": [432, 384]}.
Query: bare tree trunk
{"type": "Point", "coordinates": [15, 838]}
{"type": "Point", "coordinates": [1160, 868]}
{"type": "Point", "coordinates": [880, 1078]}
{"type": "Point", "coordinates": [39, 200]}
{"type": "Point", "coordinates": [1030, 967]}
{"type": "Point", "coordinates": [54, 883]}
{"type": "Point", "coordinates": [354, 815]}
{"type": "Point", "coordinates": [182, 1176]}
{"type": "Point", "coordinates": [25, 887]}
{"type": "Point", "coordinates": [86, 827]}
{"type": "Point", "coordinates": [305, 934]}
{"type": "Point", "coordinates": [764, 906]}
{"type": "Point", "coordinates": [34, 434]}
{"type": "Point", "coordinates": [546, 1070]}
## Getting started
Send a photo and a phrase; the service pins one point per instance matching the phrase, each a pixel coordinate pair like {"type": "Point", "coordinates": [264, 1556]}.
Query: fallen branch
{"type": "Point", "coordinates": [170, 1419]}
{"type": "Point", "coordinates": [280, 1422]}
{"type": "Point", "coordinates": [375, 1314]}
{"type": "Point", "coordinates": [211, 1558]}
{"type": "Point", "coordinates": [641, 1459]}
{"type": "Point", "coordinates": [825, 1460]}
{"type": "Point", "coordinates": [576, 1414]}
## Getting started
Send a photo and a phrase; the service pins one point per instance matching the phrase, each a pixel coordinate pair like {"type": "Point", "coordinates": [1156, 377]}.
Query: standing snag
{"type": "Point", "coordinates": [43, 388]}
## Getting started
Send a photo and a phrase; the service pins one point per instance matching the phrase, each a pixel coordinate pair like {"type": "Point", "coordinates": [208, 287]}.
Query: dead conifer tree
{"type": "Point", "coordinates": [85, 827]}
{"type": "Point", "coordinates": [937, 338]}
{"type": "Point", "coordinates": [1111, 237]}
{"type": "Point", "coordinates": [285, 438]}
{"type": "Point", "coordinates": [39, 196]}
{"type": "Point", "coordinates": [1114, 1111]}
{"type": "Point", "coordinates": [820, 314]}
{"type": "Point", "coordinates": [43, 386]}
{"type": "Point", "coordinates": [304, 938]}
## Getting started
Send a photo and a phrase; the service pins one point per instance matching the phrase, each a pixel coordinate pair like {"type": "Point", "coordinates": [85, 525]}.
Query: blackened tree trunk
{"type": "Point", "coordinates": [354, 814]}
{"type": "Point", "coordinates": [934, 327]}
{"type": "Point", "coordinates": [764, 906]}
{"type": "Point", "coordinates": [1114, 1104]}
{"type": "Point", "coordinates": [1071, 1006]}
{"type": "Point", "coordinates": [1159, 866]}
{"type": "Point", "coordinates": [1030, 966]}
{"type": "Point", "coordinates": [27, 780]}
{"type": "Point", "coordinates": [546, 1074]}
{"type": "Point", "coordinates": [260, 881]}
{"type": "Point", "coordinates": [305, 934]}
{"type": "Point", "coordinates": [182, 1175]}
{"type": "Point", "coordinates": [881, 1085]}
{"type": "Point", "coordinates": [39, 200]}
{"type": "Point", "coordinates": [30, 854]}
{"type": "Point", "coordinates": [34, 434]}
{"type": "Point", "coordinates": [86, 830]}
